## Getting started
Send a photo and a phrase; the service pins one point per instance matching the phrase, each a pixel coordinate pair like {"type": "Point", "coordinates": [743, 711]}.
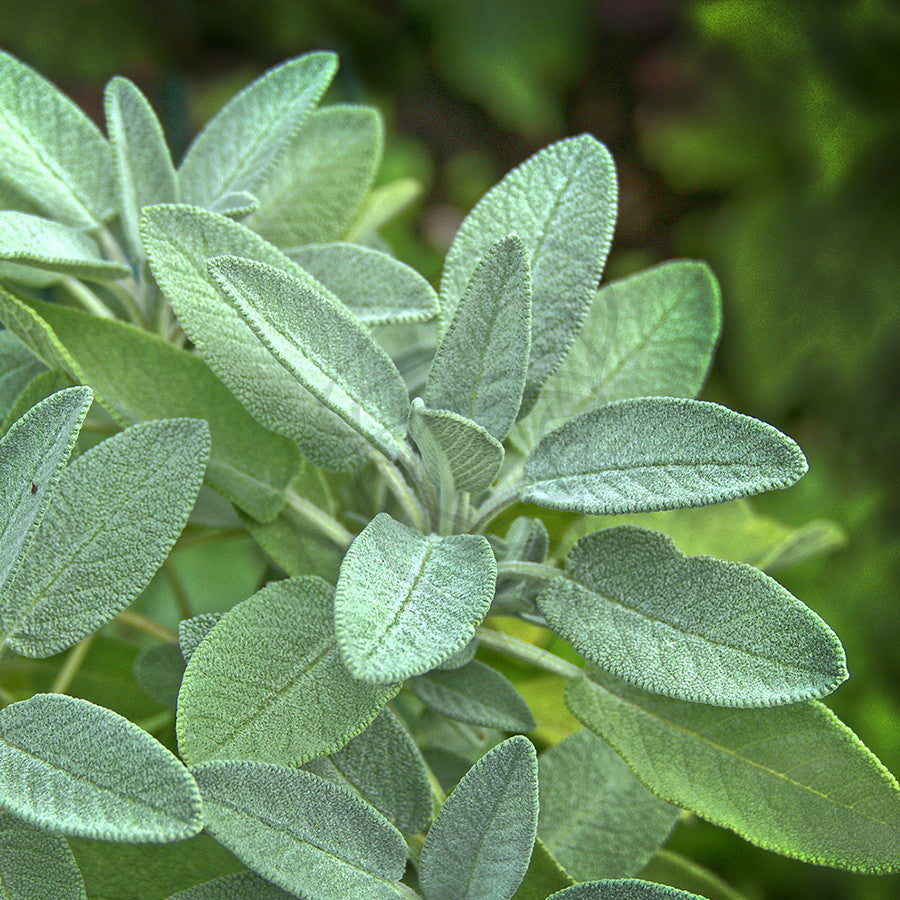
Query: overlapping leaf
{"type": "Point", "coordinates": [18, 366]}
{"type": "Point", "coordinates": [240, 886]}
{"type": "Point", "coordinates": [622, 889]}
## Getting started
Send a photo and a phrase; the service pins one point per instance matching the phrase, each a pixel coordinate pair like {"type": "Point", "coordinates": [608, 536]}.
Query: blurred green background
{"type": "Point", "coordinates": [760, 136]}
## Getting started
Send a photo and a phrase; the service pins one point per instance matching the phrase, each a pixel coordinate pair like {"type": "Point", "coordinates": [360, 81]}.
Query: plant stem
{"type": "Point", "coordinates": [522, 650]}
{"type": "Point", "coordinates": [147, 626]}
{"type": "Point", "coordinates": [528, 569]}
{"type": "Point", "coordinates": [181, 600]}
{"type": "Point", "coordinates": [401, 490]}
{"type": "Point", "coordinates": [492, 507]}
{"type": "Point", "coordinates": [70, 667]}
{"type": "Point", "coordinates": [300, 509]}
{"type": "Point", "coordinates": [423, 485]}
{"type": "Point", "coordinates": [154, 723]}
{"type": "Point", "coordinates": [87, 298]}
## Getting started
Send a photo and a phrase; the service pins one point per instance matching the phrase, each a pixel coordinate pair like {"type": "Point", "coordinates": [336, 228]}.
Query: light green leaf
{"type": "Point", "coordinates": [562, 203]}
{"type": "Point", "coordinates": [624, 889]}
{"type": "Point", "coordinates": [45, 244]}
{"type": "Point", "coordinates": [651, 334]}
{"type": "Point", "coordinates": [657, 453]}
{"type": "Point", "coordinates": [18, 366]}
{"type": "Point", "coordinates": [322, 347]}
{"type": "Point", "coordinates": [238, 148]}
{"type": "Point", "coordinates": [677, 871]}
{"type": "Point", "coordinates": [50, 151]}
{"type": "Point", "coordinates": [462, 657]}
{"type": "Point", "coordinates": [116, 514]}
{"type": "Point", "coordinates": [297, 549]}
{"type": "Point", "coordinates": [458, 454]}
{"type": "Point", "coordinates": [793, 779]}
{"type": "Point", "coordinates": [240, 886]}
{"type": "Point", "coordinates": [322, 178]}
{"type": "Point", "coordinates": [35, 865]}
{"type": "Point", "coordinates": [690, 627]}
{"type": "Point", "coordinates": [382, 205]}
{"type": "Point", "coordinates": [32, 456]}
{"type": "Point", "coordinates": [544, 876]}
{"type": "Point", "coordinates": [248, 465]}
{"type": "Point", "coordinates": [480, 843]}
{"type": "Point", "coordinates": [375, 287]}
{"type": "Point", "coordinates": [39, 388]}
{"type": "Point", "coordinates": [75, 768]}
{"type": "Point", "coordinates": [405, 601]}
{"type": "Point", "coordinates": [236, 205]}
{"type": "Point", "coordinates": [158, 670]}
{"type": "Point", "coordinates": [143, 165]}
{"type": "Point", "coordinates": [476, 694]}
{"type": "Point", "coordinates": [180, 240]}
{"type": "Point", "coordinates": [192, 631]}
{"type": "Point", "coordinates": [267, 683]}
{"type": "Point", "coordinates": [36, 335]}
{"type": "Point", "coordinates": [597, 819]}
{"type": "Point", "coordinates": [383, 765]}
{"type": "Point", "coordinates": [301, 832]}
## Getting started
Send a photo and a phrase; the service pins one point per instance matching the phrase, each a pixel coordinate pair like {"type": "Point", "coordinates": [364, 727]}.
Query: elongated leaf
{"type": "Point", "coordinates": [298, 549]}
{"type": "Point", "coordinates": [695, 628]}
{"type": "Point", "coordinates": [476, 694]}
{"type": "Point", "coordinates": [481, 363]}
{"type": "Point", "coordinates": [300, 831]}
{"type": "Point", "coordinates": [622, 889]}
{"type": "Point", "coordinates": [544, 875]}
{"type": "Point", "coordinates": [375, 287]}
{"type": "Point", "coordinates": [322, 178]}
{"type": "Point", "coordinates": [658, 453]}
{"type": "Point", "coordinates": [75, 768]}
{"type": "Point", "coordinates": [793, 779]}
{"type": "Point", "coordinates": [384, 766]}
{"type": "Point", "coordinates": [562, 204]}
{"type": "Point", "coordinates": [236, 205]}
{"type": "Point", "coordinates": [651, 334]}
{"type": "Point", "coordinates": [405, 601]}
{"type": "Point", "coordinates": [267, 683]}
{"type": "Point", "coordinates": [480, 843]}
{"type": "Point", "coordinates": [36, 335]}
{"type": "Point", "coordinates": [382, 205]}
{"type": "Point", "coordinates": [117, 512]}
{"type": "Point", "coordinates": [192, 631]}
{"type": "Point", "coordinates": [240, 886]}
{"type": "Point", "coordinates": [321, 347]}
{"type": "Point", "coordinates": [597, 819]}
{"type": "Point", "coordinates": [180, 240]}
{"type": "Point", "coordinates": [143, 165]}
{"type": "Point", "coordinates": [240, 145]}
{"type": "Point", "coordinates": [49, 150]}
{"type": "Point", "coordinates": [680, 872]}
{"type": "Point", "coordinates": [35, 865]}
{"type": "Point", "coordinates": [32, 456]}
{"type": "Point", "coordinates": [18, 366]}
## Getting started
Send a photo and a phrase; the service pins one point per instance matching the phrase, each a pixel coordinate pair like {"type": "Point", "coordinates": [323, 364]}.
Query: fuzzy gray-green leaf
{"type": "Point", "coordinates": [480, 843]}
{"type": "Point", "coordinates": [562, 203]}
{"type": "Point", "coordinates": [239, 886]}
{"type": "Point", "coordinates": [301, 832]}
{"type": "Point", "coordinates": [622, 889]}
{"type": "Point", "coordinates": [405, 601]}
{"type": "Point", "coordinates": [267, 683]}
{"type": "Point", "coordinates": [191, 632]}
{"type": "Point", "coordinates": [18, 366]}
{"type": "Point", "coordinates": [71, 767]}
{"type": "Point", "coordinates": [480, 366]}
{"type": "Point", "coordinates": [655, 453]}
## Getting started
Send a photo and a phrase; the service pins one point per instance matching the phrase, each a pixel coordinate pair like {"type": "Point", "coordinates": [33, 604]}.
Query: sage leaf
{"type": "Point", "coordinates": [321, 180]}
{"type": "Point", "coordinates": [50, 151]}
{"type": "Point", "coordinates": [235, 205]}
{"type": "Point", "coordinates": [71, 767]}
{"type": "Point", "coordinates": [384, 766]}
{"type": "Point", "coordinates": [382, 205]}
{"type": "Point", "coordinates": [597, 819]}
{"type": "Point", "coordinates": [239, 886]}
{"type": "Point", "coordinates": [36, 335]}
{"type": "Point", "coordinates": [301, 832]}
{"type": "Point", "coordinates": [793, 779]}
{"type": "Point", "coordinates": [544, 876]}
{"type": "Point", "coordinates": [192, 631]}
{"type": "Point", "coordinates": [240, 145]}
{"type": "Point", "coordinates": [158, 670]}
{"type": "Point", "coordinates": [480, 843]}
{"type": "Point", "coordinates": [481, 362]}
{"type": "Point", "coordinates": [267, 683]}
{"type": "Point", "coordinates": [144, 171]}
{"type": "Point", "coordinates": [476, 694]}
{"type": "Point", "coordinates": [405, 601]}
{"type": "Point", "coordinates": [622, 889]}
{"type": "Point", "coordinates": [297, 548]}
{"type": "Point", "coordinates": [116, 514]}
{"type": "Point", "coordinates": [694, 628]}
{"type": "Point", "coordinates": [462, 657]}
{"type": "Point", "coordinates": [680, 872]}
{"type": "Point", "coordinates": [657, 453]}
{"type": "Point", "coordinates": [458, 454]}
{"type": "Point", "coordinates": [321, 347]}
{"type": "Point", "coordinates": [375, 287]}
{"type": "Point", "coordinates": [18, 366]}
{"type": "Point", "coordinates": [562, 204]}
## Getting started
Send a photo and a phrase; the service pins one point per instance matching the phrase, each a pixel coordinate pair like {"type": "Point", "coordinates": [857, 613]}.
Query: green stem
{"type": "Point", "coordinates": [146, 626]}
{"type": "Point", "coordinates": [528, 569]}
{"type": "Point", "coordinates": [423, 485]}
{"type": "Point", "coordinates": [492, 507]}
{"type": "Point", "coordinates": [522, 650]}
{"type": "Point", "coordinates": [87, 298]}
{"type": "Point", "coordinates": [181, 600]}
{"type": "Point", "coordinates": [401, 490]}
{"type": "Point", "coordinates": [70, 667]}
{"type": "Point", "coordinates": [301, 510]}
{"type": "Point", "coordinates": [155, 723]}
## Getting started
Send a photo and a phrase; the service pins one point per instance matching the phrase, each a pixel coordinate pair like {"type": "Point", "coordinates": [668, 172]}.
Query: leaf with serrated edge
{"type": "Point", "coordinates": [480, 843]}
{"type": "Point", "coordinates": [793, 779]}
{"type": "Point", "coordinates": [695, 628]}
{"type": "Point", "coordinates": [71, 767]}
{"type": "Point", "coordinates": [116, 514]}
{"type": "Point", "coordinates": [622, 889]}
{"type": "Point", "coordinates": [562, 203]}
{"type": "Point", "coordinates": [655, 453]}
{"type": "Point", "coordinates": [239, 886]}
{"type": "Point", "coordinates": [268, 683]}
{"type": "Point", "coordinates": [301, 832]}
{"type": "Point", "coordinates": [36, 335]}
{"type": "Point", "coordinates": [236, 205]}
{"type": "Point", "coordinates": [405, 601]}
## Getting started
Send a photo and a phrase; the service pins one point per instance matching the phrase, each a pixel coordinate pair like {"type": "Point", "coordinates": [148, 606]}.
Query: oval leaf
{"type": "Point", "coordinates": [239, 886]}
{"type": "Point", "coordinates": [623, 889]}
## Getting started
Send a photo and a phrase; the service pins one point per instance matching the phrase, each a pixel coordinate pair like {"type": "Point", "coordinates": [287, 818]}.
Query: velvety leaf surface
{"type": "Point", "coordinates": [236, 205]}
{"type": "Point", "coordinates": [240, 886]}
{"type": "Point", "coordinates": [18, 365]}
{"type": "Point", "coordinates": [695, 628]}
{"type": "Point", "coordinates": [562, 204]}
{"type": "Point", "coordinates": [75, 768]}
{"type": "Point", "coordinates": [480, 843]}
{"type": "Point", "coordinates": [192, 631]}
{"type": "Point", "coordinates": [268, 683]}
{"type": "Point", "coordinates": [656, 453]}
{"type": "Point", "coordinates": [793, 779]}
{"type": "Point", "coordinates": [300, 831]}
{"type": "Point", "coordinates": [622, 889]}
{"type": "Point", "coordinates": [481, 362]}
